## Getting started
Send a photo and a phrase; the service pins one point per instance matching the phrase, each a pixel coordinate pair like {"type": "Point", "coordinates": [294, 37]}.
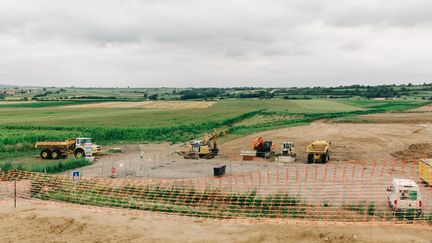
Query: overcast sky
{"type": "Point", "coordinates": [151, 43]}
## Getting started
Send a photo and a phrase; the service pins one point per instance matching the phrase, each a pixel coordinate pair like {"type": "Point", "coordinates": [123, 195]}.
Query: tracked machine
{"type": "Point", "coordinates": [205, 148]}
{"type": "Point", "coordinates": [260, 148]}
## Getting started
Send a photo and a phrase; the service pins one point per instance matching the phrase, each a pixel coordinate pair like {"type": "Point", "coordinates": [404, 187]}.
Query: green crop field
{"type": "Point", "coordinates": [21, 126]}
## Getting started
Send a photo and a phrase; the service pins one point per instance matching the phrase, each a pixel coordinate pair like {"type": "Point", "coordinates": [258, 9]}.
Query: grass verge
{"type": "Point", "coordinates": [54, 166]}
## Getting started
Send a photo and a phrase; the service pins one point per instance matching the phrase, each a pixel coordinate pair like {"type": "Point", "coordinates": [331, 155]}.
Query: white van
{"type": "Point", "coordinates": [404, 194]}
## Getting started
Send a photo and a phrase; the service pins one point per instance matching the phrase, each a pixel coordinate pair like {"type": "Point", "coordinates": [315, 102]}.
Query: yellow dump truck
{"type": "Point", "coordinates": [61, 149]}
{"type": "Point", "coordinates": [318, 151]}
{"type": "Point", "coordinates": [425, 170]}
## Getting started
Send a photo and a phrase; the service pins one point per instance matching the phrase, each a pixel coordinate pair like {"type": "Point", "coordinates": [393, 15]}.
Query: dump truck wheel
{"type": "Point", "coordinates": [310, 158]}
{"type": "Point", "coordinates": [56, 154]}
{"type": "Point", "coordinates": [79, 153]}
{"type": "Point", "coordinates": [45, 154]}
{"type": "Point", "coordinates": [324, 159]}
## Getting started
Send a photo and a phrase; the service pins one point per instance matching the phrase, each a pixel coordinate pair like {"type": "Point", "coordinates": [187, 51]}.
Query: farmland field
{"type": "Point", "coordinates": [133, 117]}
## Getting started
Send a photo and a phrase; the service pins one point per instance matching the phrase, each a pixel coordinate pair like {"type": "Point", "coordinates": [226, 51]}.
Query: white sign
{"type": "Point", "coordinates": [76, 175]}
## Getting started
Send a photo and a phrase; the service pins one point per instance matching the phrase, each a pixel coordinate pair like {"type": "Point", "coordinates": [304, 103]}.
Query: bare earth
{"type": "Point", "coordinates": [349, 141]}
{"type": "Point", "coordinates": [40, 223]}
{"type": "Point", "coordinates": [426, 108]}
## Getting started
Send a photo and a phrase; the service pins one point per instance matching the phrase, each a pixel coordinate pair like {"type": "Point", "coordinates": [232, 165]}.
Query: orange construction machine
{"type": "Point", "coordinates": [261, 148]}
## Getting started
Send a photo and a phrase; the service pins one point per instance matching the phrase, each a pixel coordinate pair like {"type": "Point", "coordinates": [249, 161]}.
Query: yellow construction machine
{"type": "Point", "coordinates": [205, 148]}
{"type": "Point", "coordinates": [61, 149]}
{"type": "Point", "coordinates": [425, 170]}
{"type": "Point", "coordinates": [287, 153]}
{"type": "Point", "coordinates": [318, 152]}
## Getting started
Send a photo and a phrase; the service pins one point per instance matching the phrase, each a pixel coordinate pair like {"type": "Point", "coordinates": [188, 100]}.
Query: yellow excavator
{"type": "Point", "coordinates": [205, 148]}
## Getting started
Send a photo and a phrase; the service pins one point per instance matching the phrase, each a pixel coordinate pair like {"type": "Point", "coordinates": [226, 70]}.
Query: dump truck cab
{"type": "Point", "coordinates": [404, 195]}
{"type": "Point", "coordinates": [80, 142]}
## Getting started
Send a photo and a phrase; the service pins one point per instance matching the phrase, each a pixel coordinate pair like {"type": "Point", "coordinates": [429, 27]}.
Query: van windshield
{"type": "Point", "coordinates": [408, 195]}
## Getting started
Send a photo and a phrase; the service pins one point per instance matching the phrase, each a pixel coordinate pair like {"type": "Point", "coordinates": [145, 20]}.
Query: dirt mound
{"type": "Point", "coordinates": [39, 223]}
{"type": "Point", "coordinates": [415, 152]}
{"type": "Point", "coordinates": [426, 108]}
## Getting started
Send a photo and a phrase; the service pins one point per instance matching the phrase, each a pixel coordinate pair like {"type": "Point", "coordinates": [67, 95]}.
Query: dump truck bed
{"type": "Point", "coordinates": [318, 147]}
{"type": "Point", "coordinates": [54, 143]}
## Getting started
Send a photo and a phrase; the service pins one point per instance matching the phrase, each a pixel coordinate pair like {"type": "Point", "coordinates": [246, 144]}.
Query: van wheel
{"type": "Point", "coordinates": [79, 153]}
{"type": "Point", "coordinates": [56, 154]}
{"type": "Point", "coordinates": [45, 154]}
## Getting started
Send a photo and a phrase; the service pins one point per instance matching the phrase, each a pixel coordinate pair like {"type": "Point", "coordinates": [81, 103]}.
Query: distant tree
{"type": "Point", "coordinates": [153, 97]}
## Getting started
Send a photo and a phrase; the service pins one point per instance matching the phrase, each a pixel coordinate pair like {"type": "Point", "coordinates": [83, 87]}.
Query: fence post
{"type": "Point", "coordinates": [15, 189]}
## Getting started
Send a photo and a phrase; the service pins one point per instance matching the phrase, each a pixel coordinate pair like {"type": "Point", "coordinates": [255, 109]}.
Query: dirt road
{"type": "Point", "coordinates": [39, 223]}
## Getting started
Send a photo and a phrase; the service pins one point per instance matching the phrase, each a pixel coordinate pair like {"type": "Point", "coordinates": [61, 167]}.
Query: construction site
{"type": "Point", "coordinates": [329, 173]}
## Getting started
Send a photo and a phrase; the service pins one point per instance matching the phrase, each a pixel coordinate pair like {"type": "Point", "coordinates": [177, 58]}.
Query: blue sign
{"type": "Point", "coordinates": [76, 175]}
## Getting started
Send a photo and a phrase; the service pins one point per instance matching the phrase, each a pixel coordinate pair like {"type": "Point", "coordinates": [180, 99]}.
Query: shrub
{"type": "Point", "coordinates": [6, 166]}
{"type": "Point", "coordinates": [8, 148]}
{"type": "Point", "coordinates": [371, 208]}
{"type": "Point", "coordinates": [19, 146]}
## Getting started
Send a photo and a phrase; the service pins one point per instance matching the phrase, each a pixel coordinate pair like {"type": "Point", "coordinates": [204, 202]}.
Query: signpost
{"type": "Point", "coordinates": [76, 175]}
{"type": "Point", "coordinates": [113, 172]}
{"type": "Point", "coordinates": [88, 151]}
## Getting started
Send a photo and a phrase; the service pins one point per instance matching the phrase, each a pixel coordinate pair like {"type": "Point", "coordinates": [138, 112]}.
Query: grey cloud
{"type": "Point", "coordinates": [401, 13]}
{"type": "Point", "coordinates": [194, 42]}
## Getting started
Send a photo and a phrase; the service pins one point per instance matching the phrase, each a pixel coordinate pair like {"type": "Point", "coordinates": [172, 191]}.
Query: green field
{"type": "Point", "coordinates": [21, 126]}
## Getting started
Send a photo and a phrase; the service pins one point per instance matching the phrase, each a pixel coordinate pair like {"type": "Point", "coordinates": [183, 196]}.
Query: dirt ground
{"type": "Point", "coordinates": [349, 141]}
{"type": "Point", "coordinates": [42, 223]}
{"type": "Point", "coordinates": [426, 108]}
{"type": "Point", "coordinates": [148, 105]}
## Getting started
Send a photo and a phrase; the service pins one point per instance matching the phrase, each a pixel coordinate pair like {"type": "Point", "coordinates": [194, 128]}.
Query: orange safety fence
{"type": "Point", "coordinates": [347, 192]}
